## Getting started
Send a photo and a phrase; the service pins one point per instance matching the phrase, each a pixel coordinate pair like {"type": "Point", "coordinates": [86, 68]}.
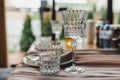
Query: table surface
{"type": "Point", "coordinates": [98, 65]}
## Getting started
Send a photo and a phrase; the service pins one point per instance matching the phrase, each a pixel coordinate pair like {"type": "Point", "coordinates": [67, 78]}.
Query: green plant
{"type": "Point", "coordinates": [27, 37]}
{"type": "Point", "coordinates": [104, 14]}
{"type": "Point", "coordinates": [90, 15]}
{"type": "Point", "coordinates": [119, 18]}
{"type": "Point", "coordinates": [46, 28]}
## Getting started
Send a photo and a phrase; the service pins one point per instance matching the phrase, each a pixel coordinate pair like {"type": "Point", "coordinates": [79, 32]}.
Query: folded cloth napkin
{"type": "Point", "coordinates": [98, 59]}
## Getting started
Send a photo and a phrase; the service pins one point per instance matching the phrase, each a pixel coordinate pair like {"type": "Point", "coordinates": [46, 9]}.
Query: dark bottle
{"type": "Point", "coordinates": [53, 38]}
{"type": "Point", "coordinates": [101, 34]}
{"type": "Point", "coordinates": [107, 37]}
{"type": "Point", "coordinates": [115, 37]}
{"type": "Point", "coordinates": [97, 36]}
{"type": "Point", "coordinates": [98, 25]}
{"type": "Point", "coordinates": [115, 42]}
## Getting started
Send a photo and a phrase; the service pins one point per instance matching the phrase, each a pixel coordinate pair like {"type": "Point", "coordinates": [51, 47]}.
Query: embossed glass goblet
{"type": "Point", "coordinates": [56, 28]}
{"type": "Point", "coordinates": [74, 28]}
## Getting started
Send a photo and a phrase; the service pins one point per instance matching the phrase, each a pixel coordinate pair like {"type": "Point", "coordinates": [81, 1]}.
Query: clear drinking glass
{"type": "Point", "coordinates": [49, 58]}
{"type": "Point", "coordinates": [56, 28]}
{"type": "Point", "coordinates": [74, 28]}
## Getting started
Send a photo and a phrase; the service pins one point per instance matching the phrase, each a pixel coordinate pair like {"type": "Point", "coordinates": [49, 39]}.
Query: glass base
{"type": "Point", "coordinates": [74, 70]}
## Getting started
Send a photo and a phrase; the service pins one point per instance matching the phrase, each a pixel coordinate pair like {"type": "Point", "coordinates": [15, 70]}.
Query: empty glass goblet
{"type": "Point", "coordinates": [74, 28]}
{"type": "Point", "coordinates": [56, 28]}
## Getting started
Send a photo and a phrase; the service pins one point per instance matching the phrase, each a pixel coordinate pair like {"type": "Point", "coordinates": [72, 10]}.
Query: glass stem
{"type": "Point", "coordinates": [73, 54]}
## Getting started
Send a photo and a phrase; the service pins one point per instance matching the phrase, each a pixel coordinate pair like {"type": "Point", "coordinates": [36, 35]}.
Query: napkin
{"type": "Point", "coordinates": [97, 58]}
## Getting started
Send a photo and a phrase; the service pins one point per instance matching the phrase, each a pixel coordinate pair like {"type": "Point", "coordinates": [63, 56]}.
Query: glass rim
{"type": "Point", "coordinates": [48, 46]}
{"type": "Point", "coordinates": [75, 10]}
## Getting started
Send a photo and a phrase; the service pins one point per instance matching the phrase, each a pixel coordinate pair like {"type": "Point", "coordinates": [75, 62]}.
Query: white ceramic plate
{"type": "Point", "coordinates": [32, 59]}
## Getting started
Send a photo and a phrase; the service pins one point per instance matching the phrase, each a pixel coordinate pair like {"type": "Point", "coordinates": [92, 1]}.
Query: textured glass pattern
{"type": "Point", "coordinates": [49, 55]}
{"type": "Point", "coordinates": [74, 21]}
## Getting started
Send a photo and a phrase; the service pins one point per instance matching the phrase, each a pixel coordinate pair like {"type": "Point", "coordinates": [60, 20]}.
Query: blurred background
{"type": "Point", "coordinates": [41, 12]}
{"type": "Point", "coordinates": [29, 21]}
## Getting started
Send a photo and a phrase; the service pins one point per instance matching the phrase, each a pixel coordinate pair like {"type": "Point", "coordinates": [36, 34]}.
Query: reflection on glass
{"type": "Point", "coordinates": [68, 43]}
